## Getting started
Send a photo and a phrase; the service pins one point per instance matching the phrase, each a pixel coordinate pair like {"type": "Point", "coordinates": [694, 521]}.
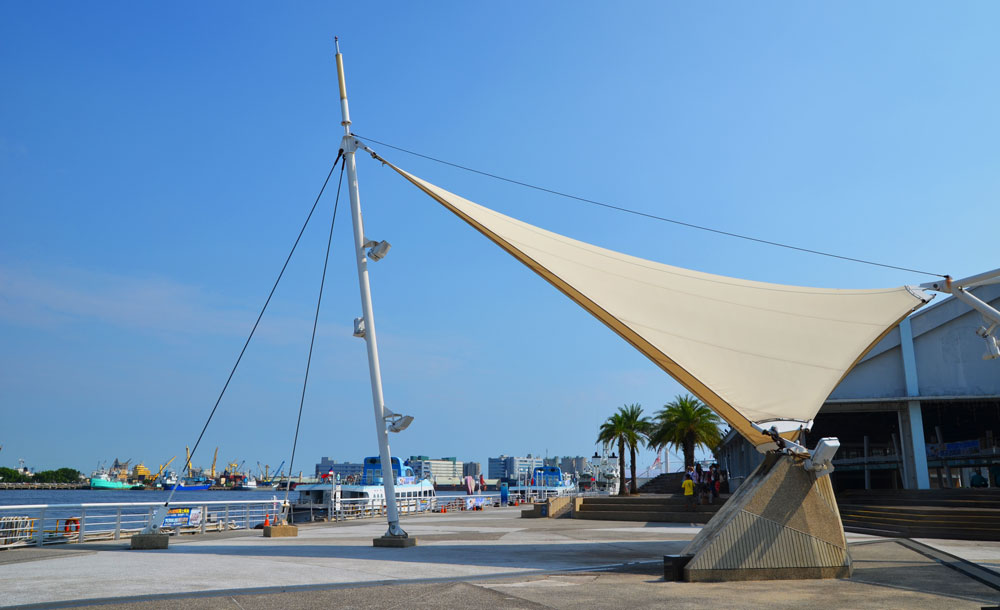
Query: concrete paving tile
{"type": "Point", "coordinates": [491, 558]}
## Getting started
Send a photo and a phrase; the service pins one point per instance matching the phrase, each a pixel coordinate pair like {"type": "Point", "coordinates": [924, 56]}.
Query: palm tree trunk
{"type": "Point", "coordinates": [634, 489]}
{"type": "Point", "coordinates": [622, 490]}
{"type": "Point", "coordinates": [688, 451]}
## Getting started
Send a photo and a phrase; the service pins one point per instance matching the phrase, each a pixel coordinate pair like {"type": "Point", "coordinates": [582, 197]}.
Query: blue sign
{"type": "Point", "coordinates": [957, 449]}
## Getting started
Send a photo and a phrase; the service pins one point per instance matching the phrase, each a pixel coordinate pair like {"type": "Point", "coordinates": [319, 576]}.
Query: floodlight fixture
{"type": "Point", "coordinates": [397, 422]}
{"type": "Point", "coordinates": [377, 250]}
{"type": "Point", "coordinates": [820, 459]}
{"type": "Point", "coordinates": [401, 424]}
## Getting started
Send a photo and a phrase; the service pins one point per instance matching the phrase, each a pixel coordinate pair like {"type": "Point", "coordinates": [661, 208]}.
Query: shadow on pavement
{"type": "Point", "coordinates": [525, 556]}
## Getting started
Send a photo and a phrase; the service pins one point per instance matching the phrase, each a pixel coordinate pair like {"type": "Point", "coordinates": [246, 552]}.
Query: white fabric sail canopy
{"type": "Point", "coordinates": [753, 351]}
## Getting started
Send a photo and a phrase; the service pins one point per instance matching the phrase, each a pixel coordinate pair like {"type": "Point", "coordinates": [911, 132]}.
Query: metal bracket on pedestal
{"type": "Point", "coordinates": [818, 460]}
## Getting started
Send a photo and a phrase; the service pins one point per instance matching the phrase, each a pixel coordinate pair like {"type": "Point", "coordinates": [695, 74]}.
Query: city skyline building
{"type": "Point", "coordinates": [512, 467]}
{"type": "Point", "coordinates": [434, 469]}
{"type": "Point", "coordinates": [344, 469]}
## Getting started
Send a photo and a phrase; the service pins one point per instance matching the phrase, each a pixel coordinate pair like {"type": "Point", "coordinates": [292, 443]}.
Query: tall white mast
{"type": "Point", "coordinates": [349, 145]}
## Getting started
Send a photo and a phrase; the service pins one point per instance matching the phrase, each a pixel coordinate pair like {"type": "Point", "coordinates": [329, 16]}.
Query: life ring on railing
{"type": "Point", "coordinates": [73, 522]}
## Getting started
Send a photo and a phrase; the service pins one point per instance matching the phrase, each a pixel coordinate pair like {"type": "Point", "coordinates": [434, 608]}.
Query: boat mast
{"type": "Point", "coordinates": [349, 145]}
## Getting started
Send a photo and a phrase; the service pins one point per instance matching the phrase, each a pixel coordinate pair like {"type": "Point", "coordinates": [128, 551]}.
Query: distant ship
{"type": "Point", "coordinates": [247, 484]}
{"type": "Point", "coordinates": [169, 481]}
{"type": "Point", "coordinates": [546, 481]}
{"type": "Point", "coordinates": [192, 484]}
{"type": "Point", "coordinates": [365, 493]}
{"type": "Point", "coordinates": [102, 479]}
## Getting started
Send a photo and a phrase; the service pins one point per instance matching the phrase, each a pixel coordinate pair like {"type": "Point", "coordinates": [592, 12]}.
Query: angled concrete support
{"type": "Point", "coordinates": [782, 523]}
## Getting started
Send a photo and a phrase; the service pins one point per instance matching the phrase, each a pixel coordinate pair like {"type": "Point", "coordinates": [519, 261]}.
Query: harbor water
{"type": "Point", "coordinates": [10, 497]}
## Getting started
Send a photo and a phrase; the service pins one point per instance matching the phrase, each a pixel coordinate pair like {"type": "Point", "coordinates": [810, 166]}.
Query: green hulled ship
{"type": "Point", "coordinates": [100, 479]}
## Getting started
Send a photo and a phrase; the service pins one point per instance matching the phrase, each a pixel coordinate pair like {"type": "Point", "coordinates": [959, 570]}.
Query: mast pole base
{"type": "Point", "coordinates": [149, 542]}
{"type": "Point", "coordinates": [394, 542]}
{"type": "Point", "coordinates": [395, 537]}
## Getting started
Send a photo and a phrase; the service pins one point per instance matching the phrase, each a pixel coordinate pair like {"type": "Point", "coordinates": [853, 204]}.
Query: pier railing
{"type": "Point", "coordinates": [41, 524]}
{"type": "Point", "coordinates": [347, 509]}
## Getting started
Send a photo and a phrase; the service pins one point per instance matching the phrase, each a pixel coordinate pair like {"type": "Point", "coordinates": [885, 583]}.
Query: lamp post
{"type": "Point", "coordinates": [367, 332]}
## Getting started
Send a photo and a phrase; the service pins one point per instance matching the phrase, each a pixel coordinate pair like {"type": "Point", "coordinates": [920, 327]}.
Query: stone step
{"type": "Point", "coordinates": [961, 514]}
{"type": "Point", "coordinates": [655, 516]}
{"type": "Point", "coordinates": [950, 514]}
{"type": "Point", "coordinates": [664, 483]}
{"type": "Point", "coordinates": [660, 508]}
{"type": "Point", "coordinates": [929, 526]}
{"type": "Point", "coordinates": [647, 507]}
{"type": "Point", "coordinates": [986, 498]}
{"type": "Point", "coordinates": [626, 500]}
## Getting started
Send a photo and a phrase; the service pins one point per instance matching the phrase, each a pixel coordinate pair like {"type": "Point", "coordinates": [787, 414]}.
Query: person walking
{"type": "Point", "coordinates": [701, 483]}
{"type": "Point", "coordinates": [715, 483]}
{"type": "Point", "coordinates": [688, 487]}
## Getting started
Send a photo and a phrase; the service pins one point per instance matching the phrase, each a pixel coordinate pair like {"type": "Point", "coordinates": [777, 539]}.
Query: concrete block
{"type": "Point", "coordinates": [395, 542]}
{"type": "Point", "coordinates": [281, 531]}
{"type": "Point", "coordinates": [673, 567]}
{"type": "Point", "coordinates": [145, 542]}
{"type": "Point", "coordinates": [536, 511]}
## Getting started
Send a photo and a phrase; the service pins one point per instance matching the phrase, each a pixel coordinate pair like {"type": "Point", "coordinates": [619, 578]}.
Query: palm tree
{"type": "Point", "coordinates": [612, 431]}
{"type": "Point", "coordinates": [638, 428]}
{"type": "Point", "coordinates": [626, 427]}
{"type": "Point", "coordinates": [686, 423]}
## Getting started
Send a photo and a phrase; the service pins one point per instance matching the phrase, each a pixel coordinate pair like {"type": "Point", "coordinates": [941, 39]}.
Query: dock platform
{"type": "Point", "coordinates": [489, 558]}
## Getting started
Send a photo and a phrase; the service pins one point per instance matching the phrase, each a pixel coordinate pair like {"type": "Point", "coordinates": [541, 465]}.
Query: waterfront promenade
{"type": "Point", "coordinates": [489, 559]}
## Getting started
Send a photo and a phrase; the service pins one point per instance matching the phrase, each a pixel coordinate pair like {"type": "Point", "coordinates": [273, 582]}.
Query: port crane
{"type": "Point", "coordinates": [164, 467]}
{"type": "Point", "coordinates": [277, 471]}
{"type": "Point", "coordinates": [214, 459]}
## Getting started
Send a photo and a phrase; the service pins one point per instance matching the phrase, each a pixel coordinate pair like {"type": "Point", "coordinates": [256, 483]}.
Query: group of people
{"type": "Point", "coordinates": [705, 484]}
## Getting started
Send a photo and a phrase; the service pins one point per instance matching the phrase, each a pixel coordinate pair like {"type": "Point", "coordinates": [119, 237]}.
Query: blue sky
{"type": "Point", "coordinates": [156, 163]}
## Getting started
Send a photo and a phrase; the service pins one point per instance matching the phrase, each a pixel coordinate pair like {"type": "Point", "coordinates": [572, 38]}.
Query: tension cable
{"type": "Point", "coordinates": [259, 316]}
{"type": "Point", "coordinates": [648, 215]}
{"type": "Point", "coordinates": [312, 340]}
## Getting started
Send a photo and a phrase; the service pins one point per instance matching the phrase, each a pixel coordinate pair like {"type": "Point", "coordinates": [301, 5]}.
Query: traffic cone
{"type": "Point", "coordinates": [267, 521]}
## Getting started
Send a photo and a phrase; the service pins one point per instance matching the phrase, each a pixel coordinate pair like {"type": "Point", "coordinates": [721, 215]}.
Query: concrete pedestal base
{"type": "Point", "coordinates": [281, 531]}
{"type": "Point", "coordinates": [673, 567]}
{"type": "Point", "coordinates": [395, 542]}
{"type": "Point", "coordinates": [146, 542]}
{"type": "Point", "coordinates": [782, 523]}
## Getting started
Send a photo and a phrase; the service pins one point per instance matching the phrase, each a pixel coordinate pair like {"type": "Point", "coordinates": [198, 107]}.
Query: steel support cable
{"type": "Point", "coordinates": [259, 316]}
{"type": "Point", "coordinates": [312, 340]}
{"type": "Point", "coordinates": [648, 215]}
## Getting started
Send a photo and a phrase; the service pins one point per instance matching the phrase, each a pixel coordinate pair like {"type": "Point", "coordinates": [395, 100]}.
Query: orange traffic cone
{"type": "Point", "coordinates": [267, 521]}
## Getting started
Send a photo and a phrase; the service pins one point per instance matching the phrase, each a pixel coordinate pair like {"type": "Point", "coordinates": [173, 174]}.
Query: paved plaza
{"type": "Point", "coordinates": [491, 559]}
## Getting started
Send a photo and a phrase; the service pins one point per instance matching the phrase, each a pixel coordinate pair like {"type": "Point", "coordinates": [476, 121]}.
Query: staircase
{"type": "Point", "coordinates": [958, 514]}
{"type": "Point", "coordinates": [661, 508]}
{"type": "Point", "coordinates": [667, 483]}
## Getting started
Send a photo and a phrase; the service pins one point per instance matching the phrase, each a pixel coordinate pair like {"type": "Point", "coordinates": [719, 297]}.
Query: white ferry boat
{"type": "Point", "coordinates": [545, 482]}
{"type": "Point", "coordinates": [364, 494]}
{"type": "Point", "coordinates": [600, 475]}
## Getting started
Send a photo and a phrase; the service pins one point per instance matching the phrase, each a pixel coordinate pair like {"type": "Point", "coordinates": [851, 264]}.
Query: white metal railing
{"type": "Point", "coordinates": [345, 509]}
{"type": "Point", "coordinates": [40, 524]}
